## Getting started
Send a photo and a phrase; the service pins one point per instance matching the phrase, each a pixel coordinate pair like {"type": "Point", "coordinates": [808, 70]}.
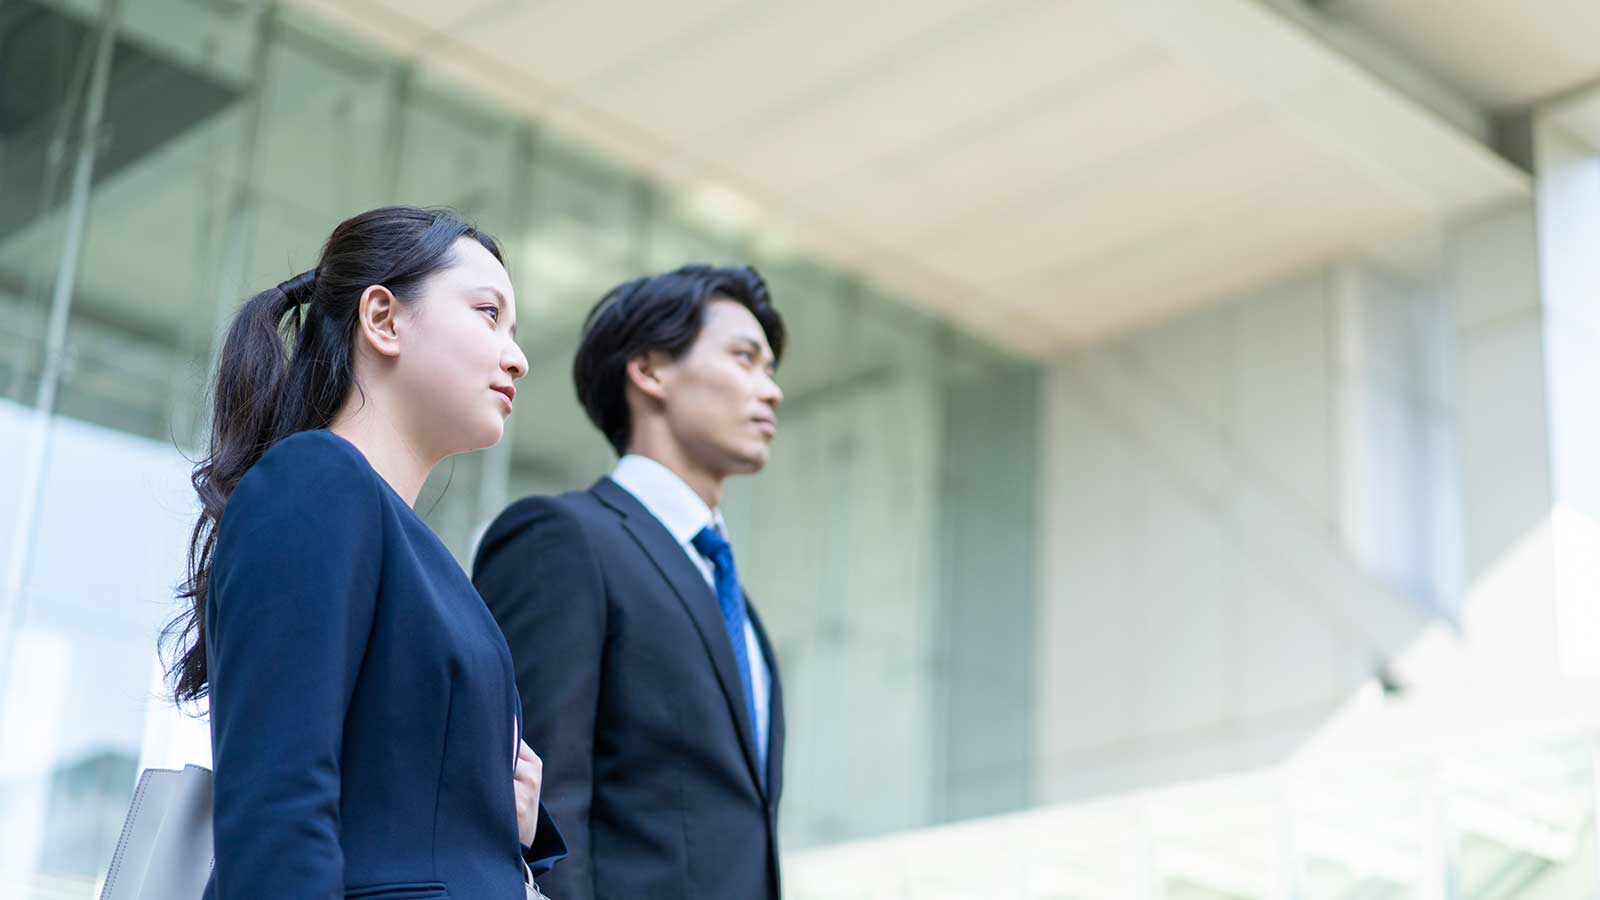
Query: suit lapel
{"type": "Point", "coordinates": [774, 710]}
{"type": "Point", "coordinates": [697, 598]}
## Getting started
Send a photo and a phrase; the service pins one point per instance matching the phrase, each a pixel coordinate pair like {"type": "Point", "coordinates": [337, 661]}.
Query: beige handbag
{"type": "Point", "coordinates": [165, 850]}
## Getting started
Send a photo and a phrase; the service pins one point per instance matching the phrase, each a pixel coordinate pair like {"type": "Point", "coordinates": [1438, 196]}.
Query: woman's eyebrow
{"type": "Point", "coordinates": [492, 291]}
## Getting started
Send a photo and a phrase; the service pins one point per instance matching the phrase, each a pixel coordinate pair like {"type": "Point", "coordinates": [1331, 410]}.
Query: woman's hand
{"type": "Point", "coordinates": [529, 778]}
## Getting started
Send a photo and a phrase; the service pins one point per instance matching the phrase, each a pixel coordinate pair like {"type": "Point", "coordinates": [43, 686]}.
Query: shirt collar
{"type": "Point", "coordinates": [667, 497]}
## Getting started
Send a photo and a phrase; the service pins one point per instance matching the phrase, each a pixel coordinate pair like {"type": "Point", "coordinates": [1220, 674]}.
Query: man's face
{"type": "Point", "coordinates": [721, 399]}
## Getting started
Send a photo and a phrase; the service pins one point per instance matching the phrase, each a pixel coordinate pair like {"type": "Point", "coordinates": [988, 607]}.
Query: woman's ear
{"type": "Point", "coordinates": [645, 372]}
{"type": "Point", "coordinates": [377, 320]}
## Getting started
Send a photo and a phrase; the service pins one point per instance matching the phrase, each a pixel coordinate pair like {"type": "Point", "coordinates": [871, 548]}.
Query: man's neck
{"type": "Point", "coordinates": [707, 486]}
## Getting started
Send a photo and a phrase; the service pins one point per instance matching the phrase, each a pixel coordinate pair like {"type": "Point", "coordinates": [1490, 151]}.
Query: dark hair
{"type": "Point", "coordinates": [662, 313]}
{"type": "Point", "coordinates": [286, 367]}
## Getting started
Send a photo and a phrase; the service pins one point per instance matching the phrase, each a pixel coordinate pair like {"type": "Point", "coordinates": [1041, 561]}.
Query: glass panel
{"type": "Point", "coordinates": [75, 700]}
{"type": "Point", "coordinates": [235, 136]}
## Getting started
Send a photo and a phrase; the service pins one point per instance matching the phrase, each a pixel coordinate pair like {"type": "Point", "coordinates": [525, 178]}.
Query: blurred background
{"type": "Point", "coordinates": [1188, 487]}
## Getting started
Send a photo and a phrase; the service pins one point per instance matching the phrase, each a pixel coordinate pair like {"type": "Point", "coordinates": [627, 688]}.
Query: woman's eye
{"type": "Point", "coordinates": [746, 355]}
{"type": "Point", "coordinates": [493, 311]}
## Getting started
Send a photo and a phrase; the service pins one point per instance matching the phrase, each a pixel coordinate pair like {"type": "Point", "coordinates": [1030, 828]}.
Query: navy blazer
{"type": "Point", "coordinates": [632, 697]}
{"type": "Point", "coordinates": [363, 704]}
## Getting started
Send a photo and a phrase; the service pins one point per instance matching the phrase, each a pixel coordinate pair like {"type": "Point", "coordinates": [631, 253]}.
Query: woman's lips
{"type": "Point", "coordinates": [507, 391]}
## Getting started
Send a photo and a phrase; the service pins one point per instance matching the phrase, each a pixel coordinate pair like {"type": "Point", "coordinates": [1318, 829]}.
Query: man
{"type": "Point", "coordinates": [648, 684]}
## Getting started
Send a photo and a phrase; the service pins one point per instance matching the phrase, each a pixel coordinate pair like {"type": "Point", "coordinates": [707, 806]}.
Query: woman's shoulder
{"type": "Point", "coordinates": [317, 442]}
{"type": "Point", "coordinates": [316, 466]}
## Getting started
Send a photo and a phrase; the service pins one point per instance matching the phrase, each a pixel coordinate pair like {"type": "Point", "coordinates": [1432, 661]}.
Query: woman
{"type": "Point", "coordinates": [363, 704]}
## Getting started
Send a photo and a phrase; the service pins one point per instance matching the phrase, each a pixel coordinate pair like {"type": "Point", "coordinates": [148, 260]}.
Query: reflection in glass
{"type": "Point", "coordinates": [890, 566]}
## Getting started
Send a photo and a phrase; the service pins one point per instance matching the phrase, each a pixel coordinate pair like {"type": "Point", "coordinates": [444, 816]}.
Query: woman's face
{"type": "Point", "coordinates": [458, 355]}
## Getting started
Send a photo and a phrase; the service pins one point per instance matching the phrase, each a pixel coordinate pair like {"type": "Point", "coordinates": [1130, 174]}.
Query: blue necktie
{"type": "Point", "coordinates": [713, 546]}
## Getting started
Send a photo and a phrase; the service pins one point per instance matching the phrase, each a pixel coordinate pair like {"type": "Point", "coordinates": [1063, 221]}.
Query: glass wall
{"type": "Point", "coordinates": [161, 160]}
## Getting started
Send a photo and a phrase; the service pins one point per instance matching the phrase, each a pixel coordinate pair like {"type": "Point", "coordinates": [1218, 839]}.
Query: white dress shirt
{"type": "Point", "coordinates": [677, 507]}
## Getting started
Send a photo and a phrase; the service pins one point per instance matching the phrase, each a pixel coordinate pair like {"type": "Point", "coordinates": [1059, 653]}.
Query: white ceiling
{"type": "Point", "coordinates": [1041, 173]}
{"type": "Point", "coordinates": [1500, 53]}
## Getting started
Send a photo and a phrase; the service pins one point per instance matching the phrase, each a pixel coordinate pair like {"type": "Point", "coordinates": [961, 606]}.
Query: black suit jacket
{"type": "Point", "coordinates": [632, 697]}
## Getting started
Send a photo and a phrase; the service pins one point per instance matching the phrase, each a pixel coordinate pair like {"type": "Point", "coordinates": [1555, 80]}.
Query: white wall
{"type": "Point", "coordinates": [1250, 510]}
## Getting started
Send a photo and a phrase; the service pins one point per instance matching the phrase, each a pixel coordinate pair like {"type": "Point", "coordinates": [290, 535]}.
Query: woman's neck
{"type": "Point", "coordinates": [395, 457]}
